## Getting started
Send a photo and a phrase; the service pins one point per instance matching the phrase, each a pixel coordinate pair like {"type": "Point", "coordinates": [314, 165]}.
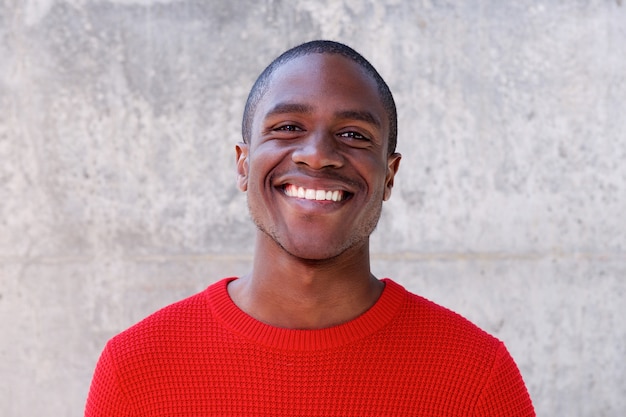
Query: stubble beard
{"type": "Point", "coordinates": [357, 238]}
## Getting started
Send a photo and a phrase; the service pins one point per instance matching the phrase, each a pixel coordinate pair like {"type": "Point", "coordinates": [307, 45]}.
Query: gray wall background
{"type": "Point", "coordinates": [118, 120]}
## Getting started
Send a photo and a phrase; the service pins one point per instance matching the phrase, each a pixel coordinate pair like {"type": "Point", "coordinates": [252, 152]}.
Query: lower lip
{"type": "Point", "coordinates": [313, 204]}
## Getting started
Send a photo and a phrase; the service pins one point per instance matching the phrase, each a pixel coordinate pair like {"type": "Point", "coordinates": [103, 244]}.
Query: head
{"type": "Point", "coordinates": [318, 161]}
{"type": "Point", "coordinates": [321, 47]}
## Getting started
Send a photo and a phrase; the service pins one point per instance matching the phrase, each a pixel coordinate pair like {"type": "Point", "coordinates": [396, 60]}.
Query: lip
{"type": "Point", "coordinates": [315, 194]}
{"type": "Point", "coordinates": [332, 185]}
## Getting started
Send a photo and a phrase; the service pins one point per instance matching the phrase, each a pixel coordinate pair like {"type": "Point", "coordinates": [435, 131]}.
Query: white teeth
{"type": "Point", "coordinates": [310, 194]}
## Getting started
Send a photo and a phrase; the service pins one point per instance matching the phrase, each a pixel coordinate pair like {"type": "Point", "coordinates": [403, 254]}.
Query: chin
{"type": "Point", "coordinates": [315, 248]}
{"type": "Point", "coordinates": [324, 252]}
{"type": "Point", "coordinates": [314, 257]}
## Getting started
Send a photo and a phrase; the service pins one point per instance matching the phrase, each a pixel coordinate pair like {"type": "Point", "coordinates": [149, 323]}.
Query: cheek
{"type": "Point", "coordinates": [377, 176]}
{"type": "Point", "coordinates": [260, 170]}
{"type": "Point", "coordinates": [265, 160]}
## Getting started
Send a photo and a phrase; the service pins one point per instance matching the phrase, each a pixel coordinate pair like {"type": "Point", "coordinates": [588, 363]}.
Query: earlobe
{"type": "Point", "coordinates": [393, 164]}
{"type": "Point", "coordinates": [242, 151]}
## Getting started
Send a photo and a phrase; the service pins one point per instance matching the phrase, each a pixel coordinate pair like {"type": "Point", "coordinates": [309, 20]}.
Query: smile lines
{"type": "Point", "coordinates": [311, 194]}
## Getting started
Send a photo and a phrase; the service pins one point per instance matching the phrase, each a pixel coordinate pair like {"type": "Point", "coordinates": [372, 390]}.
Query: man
{"type": "Point", "coordinates": [310, 331]}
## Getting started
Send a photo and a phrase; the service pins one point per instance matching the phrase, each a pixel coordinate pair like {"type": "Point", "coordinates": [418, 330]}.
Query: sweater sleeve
{"type": "Point", "coordinates": [106, 398]}
{"type": "Point", "coordinates": [505, 394]}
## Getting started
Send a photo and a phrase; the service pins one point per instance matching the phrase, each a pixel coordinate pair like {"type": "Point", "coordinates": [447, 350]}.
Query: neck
{"type": "Point", "coordinates": [285, 291]}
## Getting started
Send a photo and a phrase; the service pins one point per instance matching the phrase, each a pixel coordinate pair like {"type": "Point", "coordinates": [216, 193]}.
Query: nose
{"type": "Point", "coordinates": [318, 150]}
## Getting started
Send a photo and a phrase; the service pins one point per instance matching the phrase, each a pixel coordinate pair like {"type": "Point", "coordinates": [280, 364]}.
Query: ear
{"type": "Point", "coordinates": [242, 151]}
{"type": "Point", "coordinates": [393, 164]}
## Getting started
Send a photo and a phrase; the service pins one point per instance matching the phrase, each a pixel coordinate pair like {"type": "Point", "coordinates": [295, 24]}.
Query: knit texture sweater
{"type": "Point", "coordinates": [405, 356]}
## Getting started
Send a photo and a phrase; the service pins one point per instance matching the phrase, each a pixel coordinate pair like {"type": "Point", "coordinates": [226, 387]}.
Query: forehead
{"type": "Point", "coordinates": [323, 80]}
{"type": "Point", "coordinates": [318, 66]}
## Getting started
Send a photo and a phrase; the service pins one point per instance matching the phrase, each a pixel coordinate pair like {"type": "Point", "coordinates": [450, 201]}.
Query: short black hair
{"type": "Point", "coordinates": [320, 47]}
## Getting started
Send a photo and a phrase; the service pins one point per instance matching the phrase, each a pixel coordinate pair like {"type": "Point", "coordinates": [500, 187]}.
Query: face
{"type": "Point", "coordinates": [317, 170]}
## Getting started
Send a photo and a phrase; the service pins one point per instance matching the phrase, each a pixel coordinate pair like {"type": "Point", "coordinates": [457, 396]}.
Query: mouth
{"type": "Point", "coordinates": [294, 191]}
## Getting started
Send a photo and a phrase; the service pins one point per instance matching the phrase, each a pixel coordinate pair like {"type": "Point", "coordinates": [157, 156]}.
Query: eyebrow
{"type": "Point", "coordinates": [362, 115]}
{"type": "Point", "coordinates": [282, 108]}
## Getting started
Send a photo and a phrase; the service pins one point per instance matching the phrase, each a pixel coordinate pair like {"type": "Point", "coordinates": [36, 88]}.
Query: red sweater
{"type": "Point", "coordinates": [405, 356]}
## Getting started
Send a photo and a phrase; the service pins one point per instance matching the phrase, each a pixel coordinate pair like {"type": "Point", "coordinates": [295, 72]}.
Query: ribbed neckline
{"type": "Point", "coordinates": [237, 321]}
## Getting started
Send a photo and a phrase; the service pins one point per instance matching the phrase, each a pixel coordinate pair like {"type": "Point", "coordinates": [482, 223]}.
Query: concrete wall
{"type": "Point", "coordinates": [118, 120]}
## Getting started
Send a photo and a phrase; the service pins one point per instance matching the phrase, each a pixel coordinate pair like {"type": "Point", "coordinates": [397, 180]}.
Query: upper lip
{"type": "Point", "coordinates": [325, 183]}
{"type": "Point", "coordinates": [317, 194]}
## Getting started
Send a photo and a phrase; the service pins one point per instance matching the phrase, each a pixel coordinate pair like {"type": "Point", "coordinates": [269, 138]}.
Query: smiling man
{"type": "Point", "coordinates": [309, 331]}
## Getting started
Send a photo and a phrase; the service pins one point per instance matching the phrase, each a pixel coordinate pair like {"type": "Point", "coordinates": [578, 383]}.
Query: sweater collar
{"type": "Point", "coordinates": [379, 315]}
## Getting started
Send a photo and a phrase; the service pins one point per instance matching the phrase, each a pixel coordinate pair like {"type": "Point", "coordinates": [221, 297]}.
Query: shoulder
{"type": "Point", "coordinates": [176, 324]}
{"type": "Point", "coordinates": [450, 351]}
{"type": "Point", "coordinates": [434, 324]}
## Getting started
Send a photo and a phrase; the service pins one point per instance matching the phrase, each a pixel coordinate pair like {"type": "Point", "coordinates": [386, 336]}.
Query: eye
{"type": "Point", "coordinates": [288, 128]}
{"type": "Point", "coordinates": [353, 135]}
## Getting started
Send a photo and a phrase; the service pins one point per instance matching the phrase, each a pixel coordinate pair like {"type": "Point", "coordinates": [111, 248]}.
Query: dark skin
{"type": "Point", "coordinates": [316, 172]}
